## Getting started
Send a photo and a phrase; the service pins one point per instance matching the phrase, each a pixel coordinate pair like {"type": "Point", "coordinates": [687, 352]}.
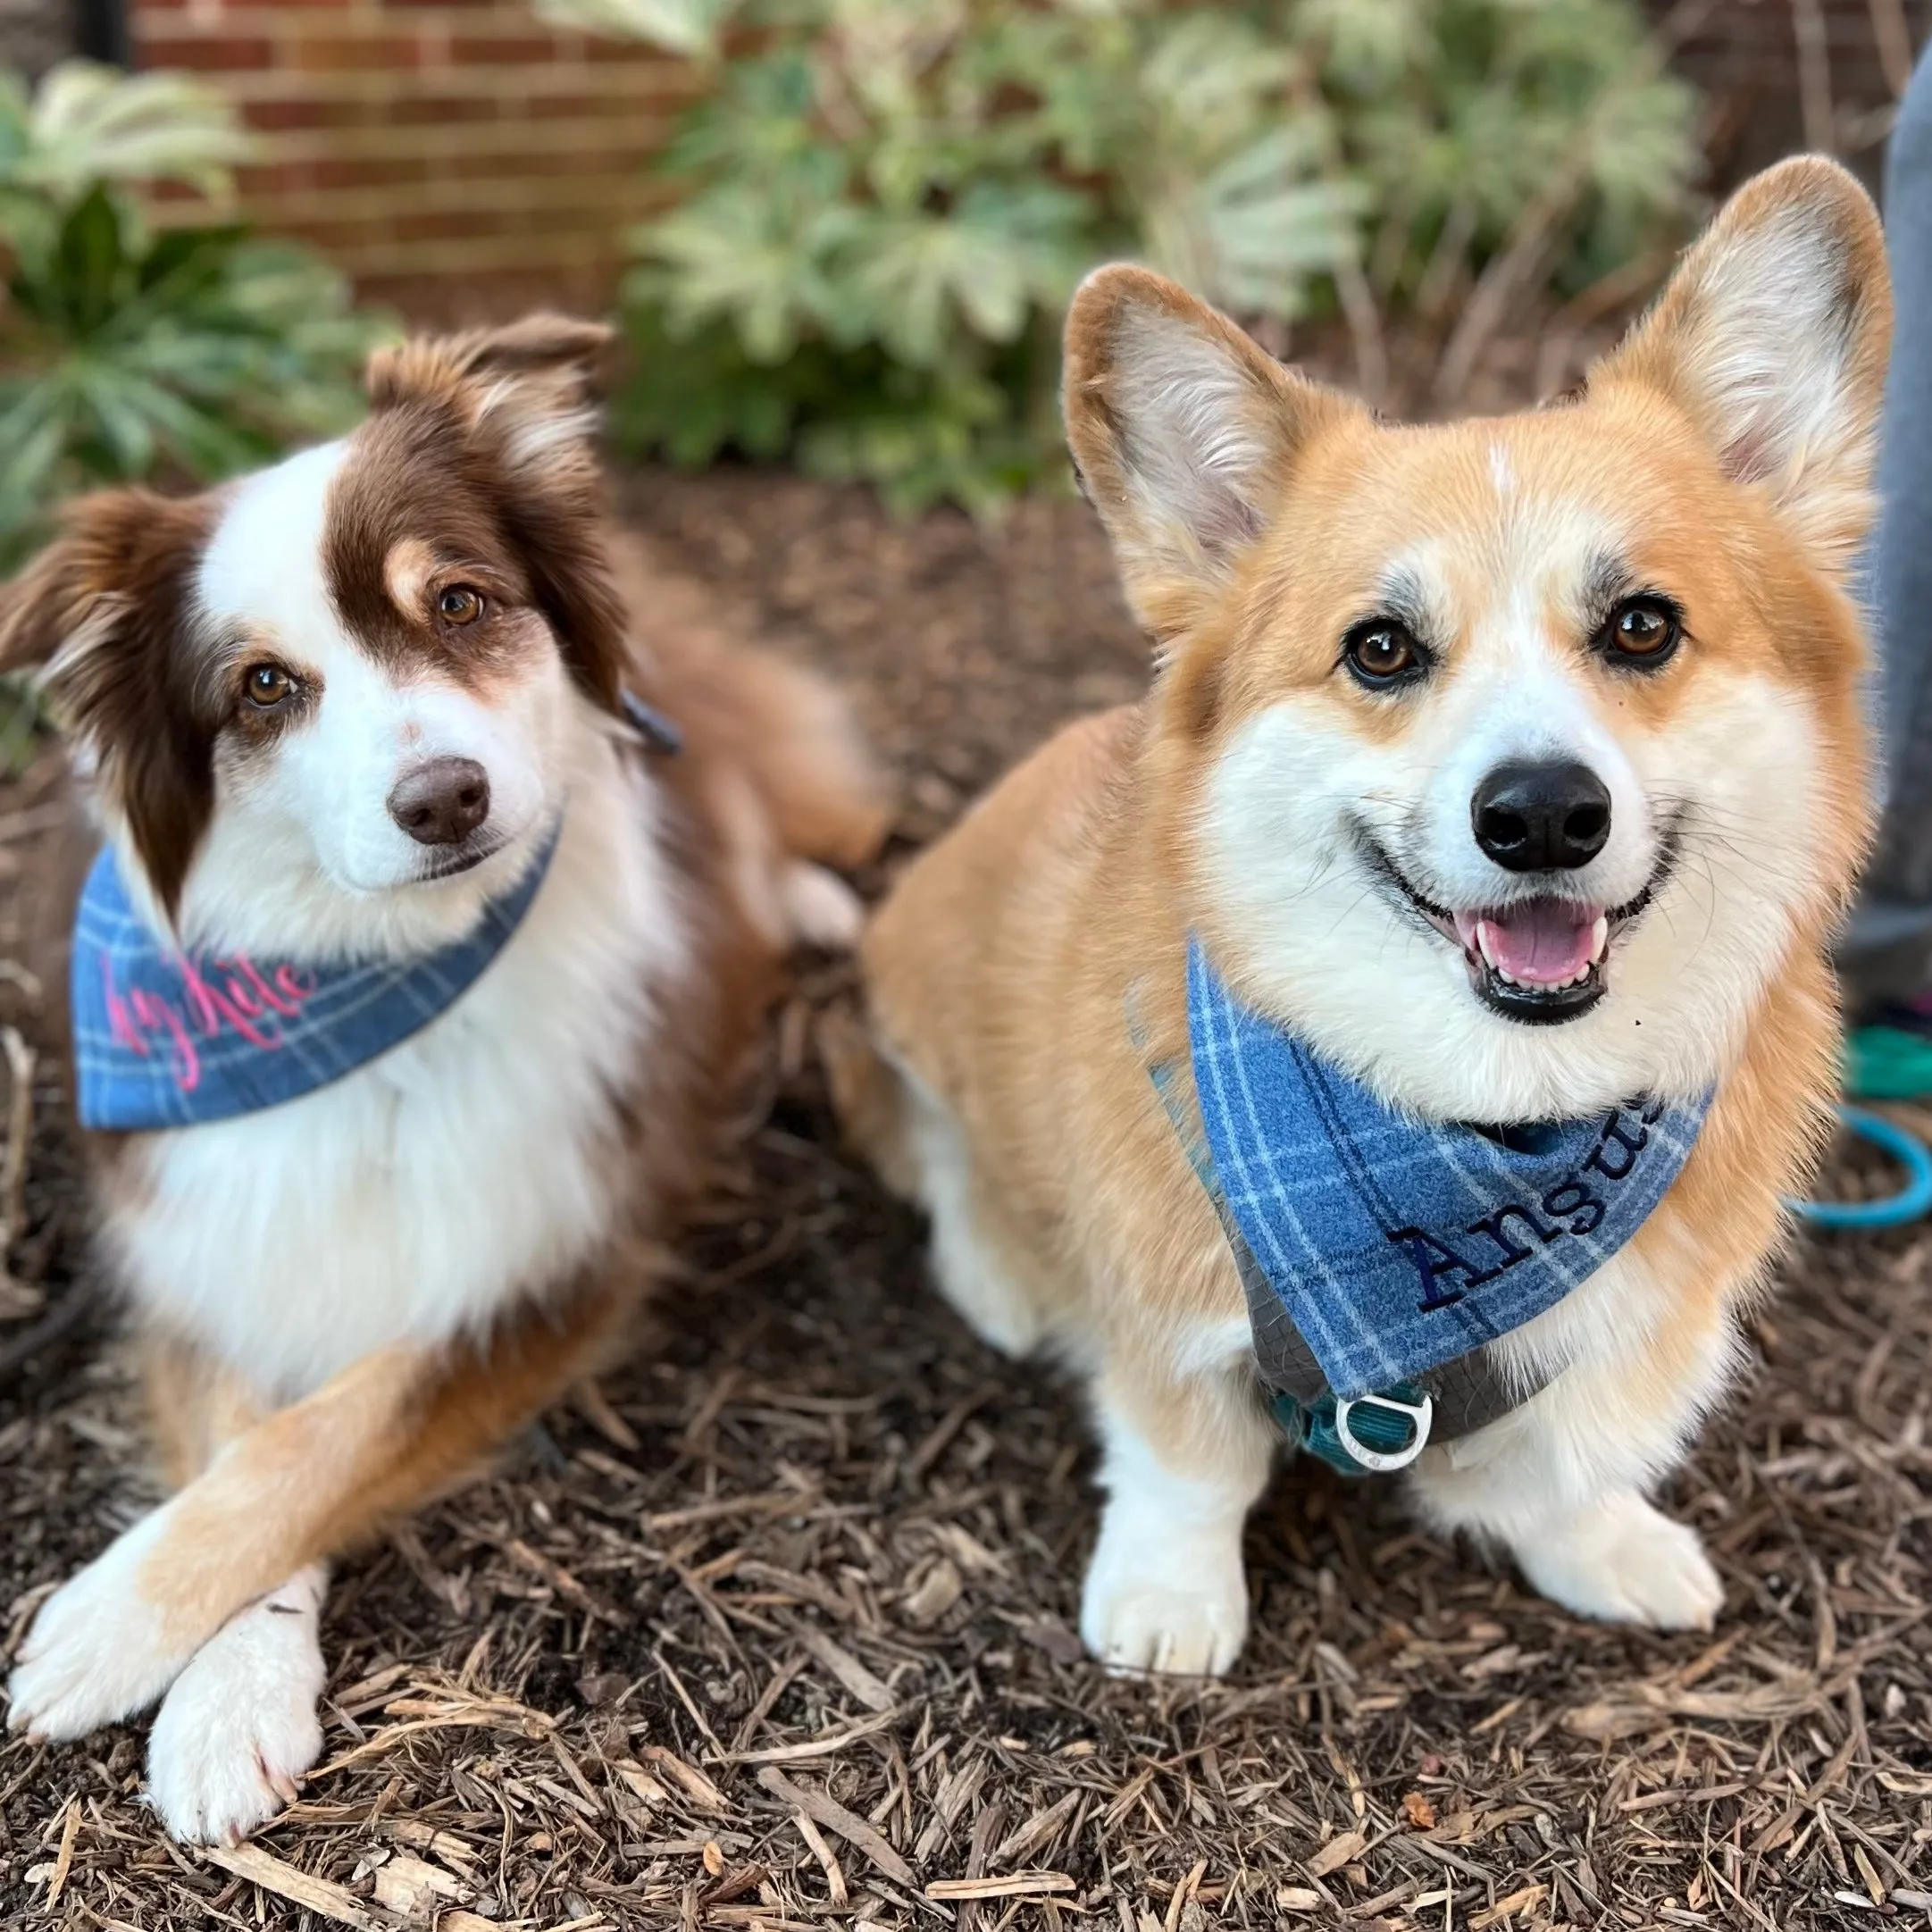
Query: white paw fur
{"type": "Point", "coordinates": [1166, 1590]}
{"type": "Point", "coordinates": [820, 908]}
{"type": "Point", "coordinates": [238, 1729]}
{"type": "Point", "coordinates": [97, 1652]}
{"type": "Point", "coordinates": [1625, 1561]}
{"type": "Point", "coordinates": [1149, 1607]}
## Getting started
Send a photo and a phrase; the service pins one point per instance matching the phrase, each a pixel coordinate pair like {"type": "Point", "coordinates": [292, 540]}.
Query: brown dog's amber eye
{"type": "Point", "coordinates": [268, 685]}
{"type": "Point", "coordinates": [1382, 652]}
{"type": "Point", "coordinates": [460, 605]}
{"type": "Point", "coordinates": [1643, 630]}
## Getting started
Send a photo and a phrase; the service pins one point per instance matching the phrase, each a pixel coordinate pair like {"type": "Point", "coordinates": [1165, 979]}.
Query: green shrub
{"type": "Point", "coordinates": [881, 206]}
{"type": "Point", "coordinates": [129, 352]}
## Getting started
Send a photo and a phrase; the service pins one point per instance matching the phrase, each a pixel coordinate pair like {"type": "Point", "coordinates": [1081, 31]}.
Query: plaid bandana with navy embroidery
{"type": "Point", "coordinates": [1397, 1245]}
{"type": "Point", "coordinates": [163, 1039]}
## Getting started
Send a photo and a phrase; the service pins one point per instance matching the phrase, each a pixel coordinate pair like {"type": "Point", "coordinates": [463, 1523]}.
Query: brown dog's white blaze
{"type": "Point", "coordinates": [1629, 615]}
{"type": "Point", "coordinates": [479, 452]}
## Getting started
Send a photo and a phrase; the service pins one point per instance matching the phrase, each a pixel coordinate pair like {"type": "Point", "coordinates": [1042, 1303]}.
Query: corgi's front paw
{"type": "Point", "coordinates": [98, 1652]}
{"type": "Point", "coordinates": [1625, 1562]}
{"type": "Point", "coordinates": [1148, 1606]}
{"type": "Point", "coordinates": [238, 1729]}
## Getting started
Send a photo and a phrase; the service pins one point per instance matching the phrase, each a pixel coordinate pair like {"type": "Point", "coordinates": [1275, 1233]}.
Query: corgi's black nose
{"type": "Point", "coordinates": [441, 801]}
{"type": "Point", "coordinates": [1541, 817]}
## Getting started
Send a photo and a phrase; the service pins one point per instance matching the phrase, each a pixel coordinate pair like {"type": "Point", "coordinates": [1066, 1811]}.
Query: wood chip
{"type": "Point", "coordinates": [1007, 1885]}
{"type": "Point", "coordinates": [816, 1747]}
{"type": "Point", "coordinates": [826, 1811]}
{"type": "Point", "coordinates": [828, 1859]}
{"type": "Point", "coordinates": [321, 1896]}
{"type": "Point", "coordinates": [406, 1883]}
{"type": "Point", "coordinates": [696, 1786]}
{"type": "Point", "coordinates": [1338, 1852]}
{"type": "Point", "coordinates": [874, 1694]}
{"type": "Point", "coordinates": [63, 1858]}
{"type": "Point", "coordinates": [1529, 1897]}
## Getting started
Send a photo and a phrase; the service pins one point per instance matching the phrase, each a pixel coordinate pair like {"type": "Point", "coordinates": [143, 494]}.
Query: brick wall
{"type": "Point", "coordinates": [457, 157]}
{"type": "Point", "coordinates": [461, 159]}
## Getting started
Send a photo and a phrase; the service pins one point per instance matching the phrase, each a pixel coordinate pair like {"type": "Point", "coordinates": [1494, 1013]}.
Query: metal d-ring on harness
{"type": "Point", "coordinates": [1369, 1434]}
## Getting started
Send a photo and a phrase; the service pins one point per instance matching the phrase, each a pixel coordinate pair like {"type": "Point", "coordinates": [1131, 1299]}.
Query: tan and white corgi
{"type": "Point", "coordinates": [1505, 772]}
{"type": "Point", "coordinates": [340, 718]}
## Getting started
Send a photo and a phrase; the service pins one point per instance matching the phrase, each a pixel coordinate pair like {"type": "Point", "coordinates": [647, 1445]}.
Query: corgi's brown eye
{"type": "Point", "coordinates": [267, 686]}
{"type": "Point", "coordinates": [460, 605]}
{"type": "Point", "coordinates": [1644, 629]}
{"type": "Point", "coordinates": [1382, 652]}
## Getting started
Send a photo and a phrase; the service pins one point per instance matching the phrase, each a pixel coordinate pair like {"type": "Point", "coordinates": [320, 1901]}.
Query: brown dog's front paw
{"type": "Point", "coordinates": [98, 1650]}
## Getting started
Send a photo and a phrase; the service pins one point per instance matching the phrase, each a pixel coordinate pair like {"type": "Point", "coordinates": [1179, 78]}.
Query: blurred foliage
{"type": "Point", "coordinates": [129, 353]}
{"type": "Point", "coordinates": [883, 206]}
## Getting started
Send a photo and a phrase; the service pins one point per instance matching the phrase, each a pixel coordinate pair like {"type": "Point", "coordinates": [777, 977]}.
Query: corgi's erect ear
{"type": "Point", "coordinates": [1773, 336]}
{"type": "Point", "coordinates": [1183, 430]}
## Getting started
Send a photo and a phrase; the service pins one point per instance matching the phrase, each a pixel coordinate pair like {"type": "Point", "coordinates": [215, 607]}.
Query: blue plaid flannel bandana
{"type": "Point", "coordinates": [1397, 1245]}
{"type": "Point", "coordinates": [163, 1039]}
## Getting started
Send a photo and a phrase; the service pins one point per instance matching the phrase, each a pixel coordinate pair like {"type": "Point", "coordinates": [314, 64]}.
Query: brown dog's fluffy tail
{"type": "Point", "coordinates": [795, 735]}
{"type": "Point", "coordinates": [783, 771]}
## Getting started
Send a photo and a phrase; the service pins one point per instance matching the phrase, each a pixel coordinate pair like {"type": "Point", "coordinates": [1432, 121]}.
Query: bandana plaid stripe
{"type": "Point", "coordinates": [167, 1039]}
{"type": "Point", "coordinates": [1397, 1245]}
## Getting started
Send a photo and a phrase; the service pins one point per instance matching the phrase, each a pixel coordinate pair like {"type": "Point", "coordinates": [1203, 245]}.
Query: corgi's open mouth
{"type": "Point", "coordinates": [1541, 960]}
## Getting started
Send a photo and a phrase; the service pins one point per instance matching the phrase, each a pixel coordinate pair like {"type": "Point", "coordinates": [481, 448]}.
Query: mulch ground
{"type": "Point", "coordinates": [779, 1630]}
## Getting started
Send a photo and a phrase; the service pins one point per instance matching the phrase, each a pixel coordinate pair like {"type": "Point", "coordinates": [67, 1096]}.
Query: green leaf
{"type": "Point", "coordinates": [90, 261]}
{"type": "Point", "coordinates": [90, 125]}
{"type": "Point", "coordinates": [882, 204]}
{"type": "Point", "coordinates": [688, 27]}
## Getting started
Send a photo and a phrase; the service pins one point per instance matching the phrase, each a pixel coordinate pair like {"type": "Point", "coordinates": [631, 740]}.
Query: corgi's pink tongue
{"type": "Point", "coordinates": [1541, 942]}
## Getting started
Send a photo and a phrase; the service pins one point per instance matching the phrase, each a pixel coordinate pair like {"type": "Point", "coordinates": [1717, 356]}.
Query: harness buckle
{"type": "Point", "coordinates": [1416, 1411]}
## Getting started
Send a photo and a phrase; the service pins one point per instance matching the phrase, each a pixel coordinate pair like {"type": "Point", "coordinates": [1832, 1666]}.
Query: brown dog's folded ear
{"type": "Point", "coordinates": [1773, 337]}
{"type": "Point", "coordinates": [1182, 430]}
{"type": "Point", "coordinates": [40, 609]}
{"type": "Point", "coordinates": [103, 614]}
{"type": "Point", "coordinates": [110, 545]}
{"type": "Point", "coordinates": [543, 364]}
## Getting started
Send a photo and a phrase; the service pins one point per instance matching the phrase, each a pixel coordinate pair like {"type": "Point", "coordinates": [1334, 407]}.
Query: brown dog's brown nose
{"type": "Point", "coordinates": [441, 801]}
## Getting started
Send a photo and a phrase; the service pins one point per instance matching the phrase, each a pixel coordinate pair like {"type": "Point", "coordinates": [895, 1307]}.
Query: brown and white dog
{"type": "Point", "coordinates": [336, 710]}
{"type": "Point", "coordinates": [1638, 595]}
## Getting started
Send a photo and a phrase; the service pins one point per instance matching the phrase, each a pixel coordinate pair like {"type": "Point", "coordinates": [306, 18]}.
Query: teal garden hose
{"type": "Point", "coordinates": [1911, 1201]}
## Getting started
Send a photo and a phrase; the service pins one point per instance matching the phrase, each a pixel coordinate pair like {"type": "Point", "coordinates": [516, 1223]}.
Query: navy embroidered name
{"type": "Point", "coordinates": [1512, 1233]}
{"type": "Point", "coordinates": [1397, 1244]}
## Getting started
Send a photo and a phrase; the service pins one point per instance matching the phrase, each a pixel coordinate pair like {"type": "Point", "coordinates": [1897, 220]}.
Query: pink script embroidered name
{"type": "Point", "coordinates": [232, 995]}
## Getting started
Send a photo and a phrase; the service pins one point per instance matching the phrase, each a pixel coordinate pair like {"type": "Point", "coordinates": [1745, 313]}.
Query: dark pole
{"type": "Point", "coordinates": [101, 28]}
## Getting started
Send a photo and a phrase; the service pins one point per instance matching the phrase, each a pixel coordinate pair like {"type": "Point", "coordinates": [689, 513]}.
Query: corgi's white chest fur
{"type": "Point", "coordinates": [412, 1199]}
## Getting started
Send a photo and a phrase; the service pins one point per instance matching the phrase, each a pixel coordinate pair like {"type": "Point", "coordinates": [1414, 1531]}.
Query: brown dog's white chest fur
{"type": "Point", "coordinates": [1517, 767]}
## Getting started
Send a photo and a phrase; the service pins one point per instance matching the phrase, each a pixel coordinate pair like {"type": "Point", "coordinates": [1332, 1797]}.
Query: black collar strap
{"type": "Point", "coordinates": [657, 732]}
